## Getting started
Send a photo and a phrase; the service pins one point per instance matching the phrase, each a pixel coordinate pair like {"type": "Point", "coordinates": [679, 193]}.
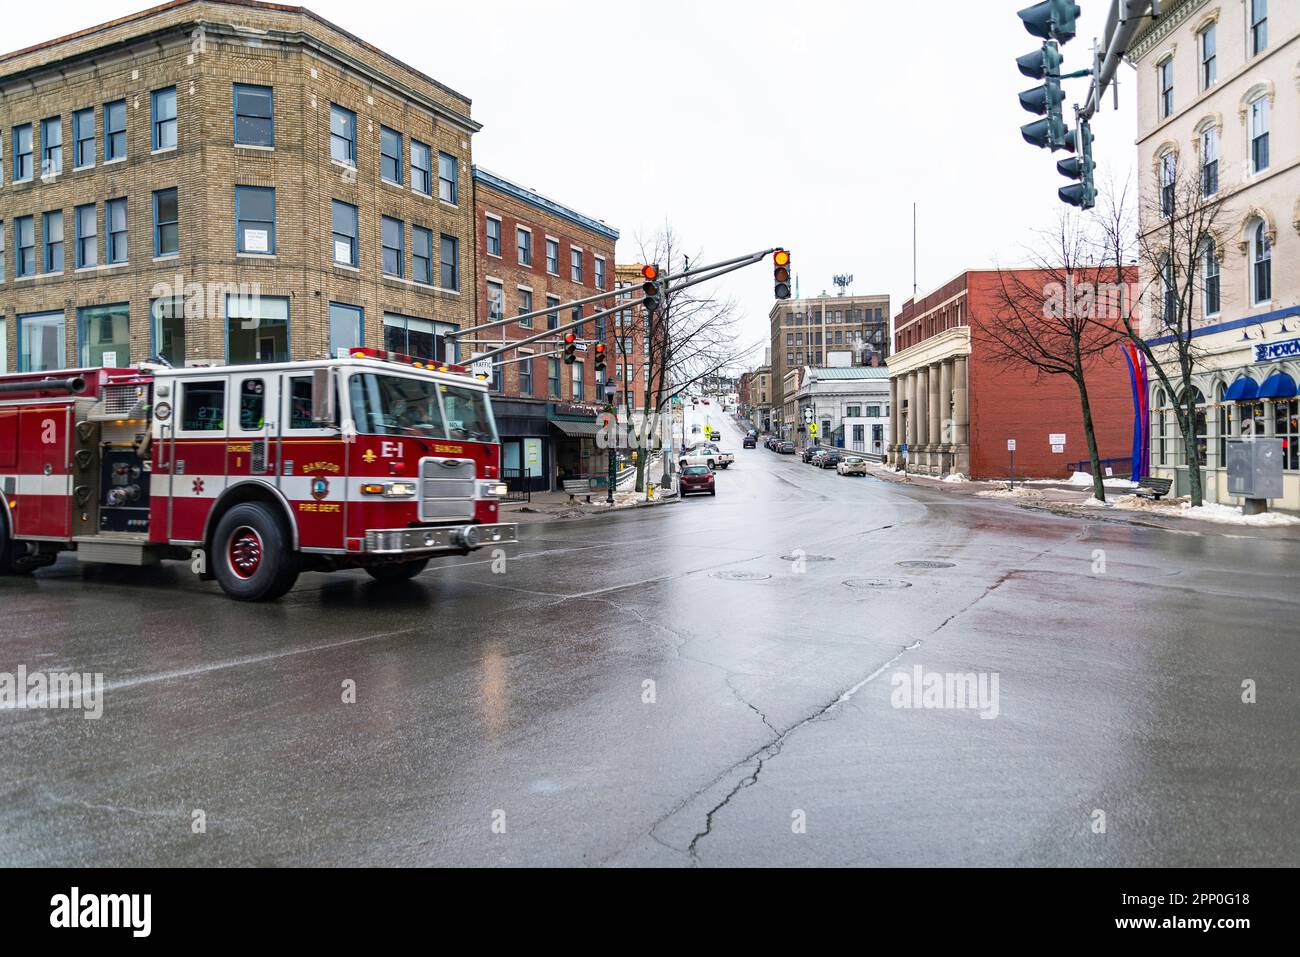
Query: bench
{"type": "Point", "coordinates": [1154, 488]}
{"type": "Point", "coordinates": [576, 487]}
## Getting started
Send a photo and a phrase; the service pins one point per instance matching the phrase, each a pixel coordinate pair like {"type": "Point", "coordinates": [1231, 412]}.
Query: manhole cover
{"type": "Point", "coordinates": [926, 564]}
{"type": "Point", "coordinates": [741, 576]}
{"type": "Point", "coordinates": [876, 583]}
{"type": "Point", "coordinates": [806, 558]}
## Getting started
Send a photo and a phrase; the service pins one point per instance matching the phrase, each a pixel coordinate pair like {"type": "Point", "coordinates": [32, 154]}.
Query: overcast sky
{"type": "Point", "coordinates": [812, 124]}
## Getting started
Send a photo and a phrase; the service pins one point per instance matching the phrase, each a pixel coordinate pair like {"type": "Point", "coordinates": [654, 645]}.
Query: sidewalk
{"type": "Point", "coordinates": [1076, 501]}
{"type": "Point", "coordinates": [557, 507]}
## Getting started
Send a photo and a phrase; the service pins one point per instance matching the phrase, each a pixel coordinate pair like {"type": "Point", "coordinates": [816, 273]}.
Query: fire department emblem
{"type": "Point", "coordinates": [320, 487]}
{"type": "Point", "coordinates": [198, 486]}
{"type": "Point", "coordinates": [369, 456]}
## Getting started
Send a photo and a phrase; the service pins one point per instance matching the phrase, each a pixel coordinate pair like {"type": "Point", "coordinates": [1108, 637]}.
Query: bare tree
{"type": "Point", "coordinates": [1175, 232]}
{"type": "Point", "coordinates": [1056, 317]}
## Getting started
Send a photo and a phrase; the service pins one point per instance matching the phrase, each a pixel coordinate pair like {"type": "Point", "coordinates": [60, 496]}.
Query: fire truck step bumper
{"type": "Point", "coordinates": [410, 541]}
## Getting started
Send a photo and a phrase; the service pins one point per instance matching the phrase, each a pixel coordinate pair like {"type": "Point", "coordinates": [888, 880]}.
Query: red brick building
{"type": "Point", "coordinates": [530, 253]}
{"type": "Point", "coordinates": [955, 408]}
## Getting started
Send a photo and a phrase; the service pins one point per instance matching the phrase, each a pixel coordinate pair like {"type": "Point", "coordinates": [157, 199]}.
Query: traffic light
{"type": "Point", "coordinates": [570, 348]}
{"type": "Point", "coordinates": [1046, 100]}
{"type": "Point", "coordinates": [1083, 193]}
{"type": "Point", "coordinates": [652, 289]}
{"type": "Point", "coordinates": [781, 273]}
{"type": "Point", "coordinates": [1052, 19]}
{"type": "Point", "coordinates": [600, 357]}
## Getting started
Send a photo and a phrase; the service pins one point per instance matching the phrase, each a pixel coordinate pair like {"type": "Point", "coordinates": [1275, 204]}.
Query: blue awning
{"type": "Point", "coordinates": [1243, 390]}
{"type": "Point", "coordinates": [1277, 386]}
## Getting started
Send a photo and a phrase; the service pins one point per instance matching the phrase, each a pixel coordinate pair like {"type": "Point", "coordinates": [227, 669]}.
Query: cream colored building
{"type": "Point", "coordinates": [1219, 93]}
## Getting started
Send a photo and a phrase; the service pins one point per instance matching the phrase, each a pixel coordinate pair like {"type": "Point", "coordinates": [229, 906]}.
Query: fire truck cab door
{"type": "Point", "coordinates": [254, 434]}
{"type": "Point", "coordinates": [45, 491]}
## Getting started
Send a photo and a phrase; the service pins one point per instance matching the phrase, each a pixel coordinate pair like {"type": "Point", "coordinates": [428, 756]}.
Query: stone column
{"type": "Point", "coordinates": [922, 409]}
{"type": "Point", "coordinates": [945, 417]}
{"type": "Point", "coordinates": [961, 417]}
{"type": "Point", "coordinates": [910, 392]}
{"type": "Point", "coordinates": [935, 409]}
{"type": "Point", "coordinates": [892, 445]}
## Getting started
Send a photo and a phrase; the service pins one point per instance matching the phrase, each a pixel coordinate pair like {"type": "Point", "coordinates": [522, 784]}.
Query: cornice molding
{"type": "Point", "coordinates": [1162, 28]}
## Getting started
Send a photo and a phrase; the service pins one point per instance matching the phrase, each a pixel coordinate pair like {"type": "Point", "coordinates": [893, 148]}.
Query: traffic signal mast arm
{"type": "Point", "coordinates": [1122, 25]}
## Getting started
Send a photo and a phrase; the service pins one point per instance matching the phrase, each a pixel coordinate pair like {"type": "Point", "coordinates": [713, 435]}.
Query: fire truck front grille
{"type": "Point", "coordinates": [446, 489]}
{"type": "Point", "coordinates": [120, 399]}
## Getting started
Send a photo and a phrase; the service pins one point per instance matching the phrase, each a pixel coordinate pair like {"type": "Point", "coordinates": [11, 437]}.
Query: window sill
{"type": "Point", "coordinates": [255, 147]}
{"type": "Point", "coordinates": [447, 204]}
{"type": "Point", "coordinates": [114, 161]}
{"type": "Point", "coordinates": [102, 267]}
{"type": "Point", "coordinates": [239, 255]}
{"type": "Point", "coordinates": [392, 183]}
{"type": "Point", "coordinates": [167, 257]}
{"type": "Point", "coordinates": [164, 151]}
{"type": "Point", "coordinates": [346, 268]}
{"type": "Point", "coordinates": [82, 169]}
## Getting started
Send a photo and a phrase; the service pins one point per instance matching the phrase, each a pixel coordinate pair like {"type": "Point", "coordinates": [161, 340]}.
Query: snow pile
{"type": "Point", "coordinates": [954, 477]}
{"type": "Point", "coordinates": [1082, 479]}
{"type": "Point", "coordinates": [1230, 515]}
{"type": "Point", "coordinates": [1093, 502]}
{"type": "Point", "coordinates": [1018, 492]}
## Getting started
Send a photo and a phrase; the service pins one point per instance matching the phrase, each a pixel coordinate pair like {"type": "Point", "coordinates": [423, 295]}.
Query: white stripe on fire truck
{"type": "Point", "coordinates": [296, 488]}
{"type": "Point", "coordinates": [38, 484]}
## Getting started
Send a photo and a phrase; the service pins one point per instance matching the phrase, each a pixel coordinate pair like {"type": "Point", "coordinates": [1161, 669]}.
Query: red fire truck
{"type": "Point", "coordinates": [252, 473]}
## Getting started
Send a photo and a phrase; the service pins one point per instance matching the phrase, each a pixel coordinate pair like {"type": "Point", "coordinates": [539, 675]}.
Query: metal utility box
{"type": "Point", "coordinates": [1255, 468]}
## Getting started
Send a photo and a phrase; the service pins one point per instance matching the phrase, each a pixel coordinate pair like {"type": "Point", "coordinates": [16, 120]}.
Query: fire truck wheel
{"type": "Point", "coordinates": [6, 548]}
{"type": "Point", "coordinates": [254, 558]}
{"type": "Point", "coordinates": [397, 571]}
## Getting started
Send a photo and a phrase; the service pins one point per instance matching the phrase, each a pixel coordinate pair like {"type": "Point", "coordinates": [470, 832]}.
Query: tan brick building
{"type": "Point", "coordinates": [532, 252]}
{"type": "Point", "coordinates": [224, 180]}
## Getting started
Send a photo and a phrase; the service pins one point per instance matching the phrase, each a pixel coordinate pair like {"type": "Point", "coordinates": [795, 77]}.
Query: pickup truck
{"type": "Point", "coordinates": [705, 454]}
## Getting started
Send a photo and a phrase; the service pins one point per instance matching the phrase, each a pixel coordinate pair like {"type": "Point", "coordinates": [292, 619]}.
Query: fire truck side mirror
{"type": "Point", "coordinates": [322, 398]}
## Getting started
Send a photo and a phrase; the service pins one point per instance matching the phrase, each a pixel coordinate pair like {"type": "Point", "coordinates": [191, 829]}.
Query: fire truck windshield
{"type": "Point", "coordinates": [398, 405]}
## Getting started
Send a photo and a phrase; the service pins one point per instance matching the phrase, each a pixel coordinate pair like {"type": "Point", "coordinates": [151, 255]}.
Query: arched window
{"type": "Point", "coordinates": [1201, 427]}
{"type": "Point", "coordinates": [1160, 413]}
{"type": "Point", "coordinates": [1210, 278]}
{"type": "Point", "coordinates": [1261, 258]}
{"type": "Point", "coordinates": [1225, 423]}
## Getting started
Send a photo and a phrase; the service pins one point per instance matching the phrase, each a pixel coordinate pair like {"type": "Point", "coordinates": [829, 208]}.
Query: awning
{"type": "Point", "coordinates": [1243, 390]}
{"type": "Point", "coordinates": [1277, 386]}
{"type": "Point", "coordinates": [577, 429]}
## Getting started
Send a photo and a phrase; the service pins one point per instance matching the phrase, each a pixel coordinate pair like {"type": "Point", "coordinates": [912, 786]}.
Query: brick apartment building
{"type": "Point", "coordinates": [955, 408]}
{"type": "Point", "coordinates": [805, 331]}
{"type": "Point", "coordinates": [227, 181]}
{"type": "Point", "coordinates": [531, 253]}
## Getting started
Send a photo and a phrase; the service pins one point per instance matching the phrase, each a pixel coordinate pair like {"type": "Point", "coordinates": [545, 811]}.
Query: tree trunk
{"type": "Point", "coordinates": [1191, 452]}
{"type": "Point", "coordinates": [1090, 436]}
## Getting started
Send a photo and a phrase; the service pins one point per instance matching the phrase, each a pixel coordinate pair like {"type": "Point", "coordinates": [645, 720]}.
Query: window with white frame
{"type": "Point", "coordinates": [1168, 181]}
{"type": "Point", "coordinates": [1208, 41]}
{"type": "Point", "coordinates": [496, 300]}
{"type": "Point", "coordinates": [600, 272]}
{"type": "Point", "coordinates": [553, 256]}
{"type": "Point", "coordinates": [1168, 292]}
{"type": "Point", "coordinates": [1210, 278]}
{"type": "Point", "coordinates": [1258, 26]}
{"type": "Point", "coordinates": [1259, 129]}
{"type": "Point", "coordinates": [493, 236]}
{"type": "Point", "coordinates": [524, 245]}
{"type": "Point", "coordinates": [1165, 76]}
{"type": "Point", "coordinates": [1210, 160]}
{"type": "Point", "coordinates": [525, 305]}
{"type": "Point", "coordinates": [1261, 258]}
{"type": "Point", "coordinates": [575, 264]}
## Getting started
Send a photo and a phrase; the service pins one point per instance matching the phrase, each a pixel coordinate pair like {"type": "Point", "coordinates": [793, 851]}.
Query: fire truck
{"type": "Point", "coordinates": [252, 473]}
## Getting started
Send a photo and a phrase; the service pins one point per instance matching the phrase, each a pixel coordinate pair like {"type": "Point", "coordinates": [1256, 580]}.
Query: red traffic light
{"type": "Point", "coordinates": [650, 273]}
{"type": "Point", "coordinates": [570, 338]}
{"type": "Point", "coordinates": [600, 348]}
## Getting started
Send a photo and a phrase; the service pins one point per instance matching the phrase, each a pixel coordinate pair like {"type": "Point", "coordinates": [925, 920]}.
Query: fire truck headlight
{"type": "Point", "coordinates": [399, 490]}
{"type": "Point", "coordinates": [491, 489]}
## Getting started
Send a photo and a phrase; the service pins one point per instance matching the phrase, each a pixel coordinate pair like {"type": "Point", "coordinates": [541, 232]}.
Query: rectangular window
{"type": "Point", "coordinates": [1258, 26]}
{"type": "Point", "coordinates": [496, 301]}
{"type": "Point", "coordinates": [115, 224]}
{"type": "Point", "coordinates": [86, 224]}
{"type": "Point", "coordinates": [1168, 180]}
{"type": "Point", "coordinates": [525, 306]}
{"type": "Point", "coordinates": [553, 378]}
{"type": "Point", "coordinates": [1209, 56]}
{"type": "Point", "coordinates": [390, 155]}
{"type": "Point", "coordinates": [104, 336]}
{"type": "Point", "coordinates": [52, 233]}
{"type": "Point", "coordinates": [114, 130]}
{"type": "Point", "coordinates": [203, 406]}
{"type": "Point", "coordinates": [600, 273]}
{"type": "Point", "coordinates": [1166, 71]}
{"type": "Point", "coordinates": [164, 118]}
{"type": "Point", "coordinates": [257, 329]}
{"type": "Point", "coordinates": [25, 246]}
{"type": "Point", "coordinates": [1259, 128]}
{"type": "Point", "coordinates": [1210, 161]}
{"type": "Point", "coordinates": [1212, 297]}
{"type": "Point", "coordinates": [575, 265]}
{"type": "Point", "coordinates": [418, 338]}
{"type": "Point", "coordinates": [344, 218]}
{"type": "Point", "coordinates": [552, 318]}
{"type": "Point", "coordinates": [493, 227]}
{"type": "Point", "coordinates": [255, 220]}
{"type": "Point", "coordinates": [525, 374]}
{"type": "Point", "coordinates": [422, 255]}
{"type": "Point", "coordinates": [2, 279]}
{"type": "Point", "coordinates": [343, 135]}
{"type": "Point", "coordinates": [575, 315]}
{"type": "Point", "coordinates": [393, 240]}
{"type": "Point", "coordinates": [576, 369]}
{"type": "Point", "coordinates": [345, 329]}
{"type": "Point", "coordinates": [83, 139]}
{"type": "Point", "coordinates": [41, 343]}
{"type": "Point", "coordinates": [448, 179]}
{"type": "Point", "coordinates": [421, 168]}
{"type": "Point", "coordinates": [553, 256]}
{"type": "Point", "coordinates": [167, 321]}
{"type": "Point", "coordinates": [524, 242]}
{"type": "Point", "coordinates": [449, 256]}
{"type": "Point", "coordinates": [52, 146]}
{"type": "Point", "coordinates": [23, 160]}
{"type": "Point", "coordinates": [254, 115]}
{"type": "Point", "coordinates": [166, 223]}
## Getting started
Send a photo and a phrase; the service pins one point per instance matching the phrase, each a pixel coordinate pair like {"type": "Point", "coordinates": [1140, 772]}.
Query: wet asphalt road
{"type": "Point", "coordinates": [503, 718]}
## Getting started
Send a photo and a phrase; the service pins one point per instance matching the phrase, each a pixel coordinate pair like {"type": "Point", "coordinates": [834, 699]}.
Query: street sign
{"type": "Point", "coordinates": [807, 415]}
{"type": "Point", "coordinates": [1011, 445]}
{"type": "Point", "coordinates": [812, 430]}
{"type": "Point", "coordinates": [480, 368]}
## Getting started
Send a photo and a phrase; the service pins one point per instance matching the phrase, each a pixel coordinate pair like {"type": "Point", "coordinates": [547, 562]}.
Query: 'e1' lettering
{"type": "Point", "coordinates": [390, 450]}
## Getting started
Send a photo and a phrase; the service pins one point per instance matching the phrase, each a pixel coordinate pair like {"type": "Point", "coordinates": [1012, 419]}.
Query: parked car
{"type": "Point", "coordinates": [786, 447]}
{"type": "Point", "coordinates": [852, 465]}
{"type": "Point", "coordinates": [830, 458]}
{"type": "Point", "coordinates": [697, 479]}
{"type": "Point", "coordinates": [811, 450]}
{"type": "Point", "coordinates": [750, 442]}
{"type": "Point", "coordinates": [816, 457]}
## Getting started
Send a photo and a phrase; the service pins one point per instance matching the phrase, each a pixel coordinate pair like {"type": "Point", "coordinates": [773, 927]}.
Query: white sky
{"type": "Point", "coordinates": [813, 124]}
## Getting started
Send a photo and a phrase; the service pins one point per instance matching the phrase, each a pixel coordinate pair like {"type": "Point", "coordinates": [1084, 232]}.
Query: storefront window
{"type": "Point", "coordinates": [257, 329]}
{"type": "Point", "coordinates": [104, 334]}
{"type": "Point", "coordinates": [168, 319]}
{"type": "Point", "coordinates": [1286, 426]}
{"type": "Point", "coordinates": [1201, 429]}
{"type": "Point", "coordinates": [1225, 424]}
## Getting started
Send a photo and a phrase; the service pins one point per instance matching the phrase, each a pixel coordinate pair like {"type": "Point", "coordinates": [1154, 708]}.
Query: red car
{"type": "Point", "coordinates": [697, 478]}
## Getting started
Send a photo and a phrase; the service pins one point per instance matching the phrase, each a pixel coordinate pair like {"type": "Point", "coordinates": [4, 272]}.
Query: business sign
{"type": "Point", "coordinates": [1057, 441]}
{"type": "Point", "coordinates": [1011, 445]}
{"type": "Point", "coordinates": [1269, 351]}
